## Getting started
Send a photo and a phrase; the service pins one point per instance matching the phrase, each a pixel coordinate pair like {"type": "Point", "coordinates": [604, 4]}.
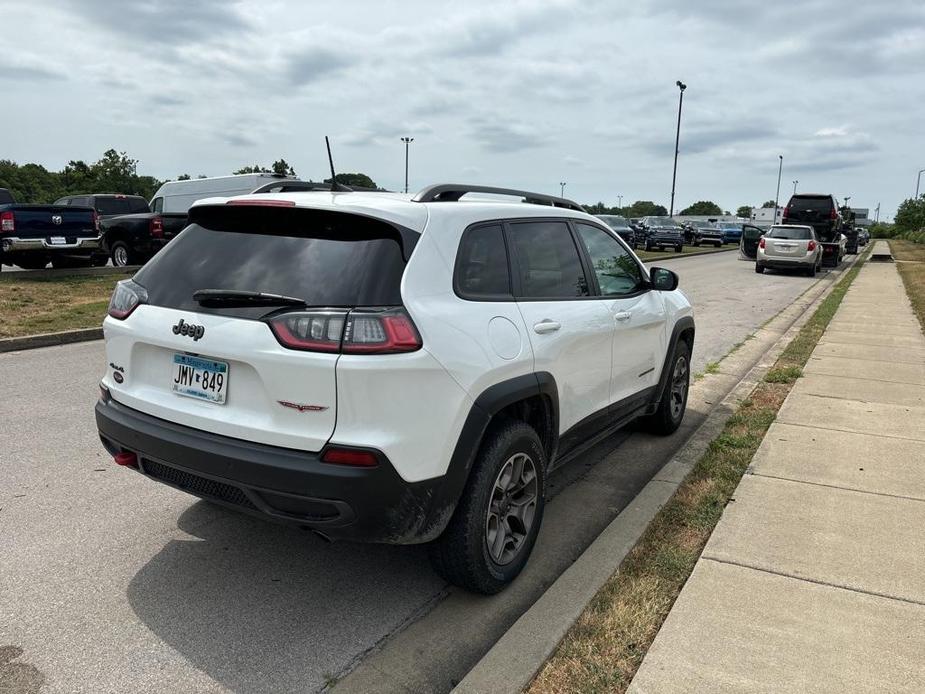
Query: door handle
{"type": "Point", "coordinates": [546, 326]}
{"type": "Point", "coordinates": [623, 316]}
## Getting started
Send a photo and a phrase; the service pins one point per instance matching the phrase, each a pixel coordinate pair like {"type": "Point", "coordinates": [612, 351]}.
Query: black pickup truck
{"type": "Point", "coordinates": [132, 233]}
{"type": "Point", "coordinates": [31, 236]}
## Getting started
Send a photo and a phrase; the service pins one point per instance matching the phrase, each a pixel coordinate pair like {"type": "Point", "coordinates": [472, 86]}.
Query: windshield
{"type": "Point", "coordinates": [613, 221]}
{"type": "Point", "coordinates": [792, 233]}
{"type": "Point", "coordinates": [662, 222]}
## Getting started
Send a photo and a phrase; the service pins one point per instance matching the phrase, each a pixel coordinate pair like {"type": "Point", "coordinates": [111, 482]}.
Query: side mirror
{"type": "Point", "coordinates": [663, 280]}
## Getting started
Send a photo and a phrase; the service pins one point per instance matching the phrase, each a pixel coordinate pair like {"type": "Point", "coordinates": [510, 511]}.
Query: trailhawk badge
{"type": "Point", "coordinates": [300, 407]}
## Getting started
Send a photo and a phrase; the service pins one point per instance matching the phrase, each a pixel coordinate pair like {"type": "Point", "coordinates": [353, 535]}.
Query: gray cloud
{"type": "Point", "coordinates": [313, 63]}
{"type": "Point", "coordinates": [14, 70]}
{"type": "Point", "coordinates": [503, 135]}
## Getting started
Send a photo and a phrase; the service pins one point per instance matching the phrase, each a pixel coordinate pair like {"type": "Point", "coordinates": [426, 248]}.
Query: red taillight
{"type": "Point", "coordinates": [786, 212]}
{"type": "Point", "coordinates": [811, 246]}
{"type": "Point", "coordinates": [126, 298]}
{"type": "Point", "coordinates": [354, 332]}
{"type": "Point", "coordinates": [7, 222]}
{"type": "Point", "coordinates": [761, 242]}
{"type": "Point", "coordinates": [349, 456]}
{"type": "Point", "coordinates": [96, 221]}
{"type": "Point", "coordinates": [156, 227]}
{"type": "Point", "coordinates": [126, 459]}
{"type": "Point", "coordinates": [834, 213]}
{"type": "Point", "coordinates": [263, 203]}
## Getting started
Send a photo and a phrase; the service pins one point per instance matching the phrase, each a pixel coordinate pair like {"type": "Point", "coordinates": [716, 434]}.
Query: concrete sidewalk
{"type": "Point", "coordinates": [814, 578]}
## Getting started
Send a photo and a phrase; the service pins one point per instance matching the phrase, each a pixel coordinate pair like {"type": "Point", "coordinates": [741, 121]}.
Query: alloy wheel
{"type": "Point", "coordinates": [511, 508]}
{"type": "Point", "coordinates": [679, 386]}
{"type": "Point", "coordinates": [120, 256]}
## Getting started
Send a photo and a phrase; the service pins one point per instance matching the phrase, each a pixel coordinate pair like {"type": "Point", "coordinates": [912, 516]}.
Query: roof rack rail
{"type": "Point", "coordinates": [452, 192]}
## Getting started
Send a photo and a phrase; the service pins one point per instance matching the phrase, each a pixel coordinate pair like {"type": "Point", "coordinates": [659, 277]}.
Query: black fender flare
{"type": "Point", "coordinates": [486, 406]}
{"type": "Point", "coordinates": [683, 324]}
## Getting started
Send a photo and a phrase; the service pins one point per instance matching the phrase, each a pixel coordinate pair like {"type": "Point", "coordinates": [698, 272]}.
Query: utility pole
{"type": "Point", "coordinates": [620, 202]}
{"type": "Point", "coordinates": [877, 211]}
{"type": "Point", "coordinates": [677, 142]}
{"type": "Point", "coordinates": [561, 189]}
{"type": "Point", "coordinates": [407, 141]}
{"type": "Point", "coordinates": [917, 181]}
{"type": "Point", "coordinates": [777, 194]}
{"type": "Point", "coordinates": [795, 187]}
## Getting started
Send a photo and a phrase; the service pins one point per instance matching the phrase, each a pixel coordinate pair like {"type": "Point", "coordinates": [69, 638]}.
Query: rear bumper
{"type": "Point", "coordinates": [784, 263]}
{"type": "Point", "coordinates": [14, 244]}
{"type": "Point", "coordinates": [342, 502]}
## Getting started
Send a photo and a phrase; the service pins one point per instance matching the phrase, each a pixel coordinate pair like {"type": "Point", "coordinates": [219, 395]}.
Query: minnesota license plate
{"type": "Point", "coordinates": [199, 378]}
{"type": "Point", "coordinates": [57, 240]}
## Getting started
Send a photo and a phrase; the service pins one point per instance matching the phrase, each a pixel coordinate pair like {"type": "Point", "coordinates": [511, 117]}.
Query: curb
{"type": "Point", "coordinates": [695, 254]}
{"type": "Point", "coordinates": [15, 344]}
{"type": "Point", "coordinates": [515, 659]}
{"type": "Point", "coordinates": [52, 273]}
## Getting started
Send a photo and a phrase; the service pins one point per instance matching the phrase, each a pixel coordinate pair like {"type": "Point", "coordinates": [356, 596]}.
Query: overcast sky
{"type": "Point", "coordinates": [521, 94]}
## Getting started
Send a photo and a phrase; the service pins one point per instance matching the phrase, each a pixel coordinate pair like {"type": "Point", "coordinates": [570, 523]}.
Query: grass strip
{"type": "Point", "coordinates": [603, 649]}
{"type": "Point", "coordinates": [912, 270]}
{"type": "Point", "coordinates": [35, 305]}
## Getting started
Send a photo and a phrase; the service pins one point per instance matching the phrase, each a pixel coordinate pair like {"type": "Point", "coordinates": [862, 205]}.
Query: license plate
{"type": "Point", "coordinates": [198, 378]}
{"type": "Point", "coordinates": [57, 241]}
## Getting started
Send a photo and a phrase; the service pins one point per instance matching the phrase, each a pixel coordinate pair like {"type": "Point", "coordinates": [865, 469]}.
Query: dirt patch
{"type": "Point", "coordinates": [18, 677]}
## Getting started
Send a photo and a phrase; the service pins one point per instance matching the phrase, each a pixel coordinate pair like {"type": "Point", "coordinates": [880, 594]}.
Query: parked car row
{"type": "Point", "coordinates": [91, 229]}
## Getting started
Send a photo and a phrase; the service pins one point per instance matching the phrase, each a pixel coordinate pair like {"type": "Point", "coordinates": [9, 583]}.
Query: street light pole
{"type": "Point", "coordinates": [795, 187]}
{"type": "Point", "coordinates": [877, 220]}
{"type": "Point", "coordinates": [780, 170]}
{"type": "Point", "coordinates": [677, 141]}
{"type": "Point", "coordinates": [561, 189]}
{"type": "Point", "coordinates": [917, 181]}
{"type": "Point", "coordinates": [620, 202]}
{"type": "Point", "coordinates": [407, 141]}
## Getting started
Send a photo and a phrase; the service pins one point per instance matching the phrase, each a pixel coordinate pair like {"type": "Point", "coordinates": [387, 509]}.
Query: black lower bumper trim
{"type": "Point", "coordinates": [368, 504]}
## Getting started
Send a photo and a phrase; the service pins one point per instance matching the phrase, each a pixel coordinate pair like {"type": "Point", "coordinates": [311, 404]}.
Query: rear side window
{"type": "Point", "coordinates": [79, 202]}
{"type": "Point", "coordinates": [137, 205]}
{"type": "Point", "coordinates": [326, 259]}
{"type": "Point", "coordinates": [546, 261]}
{"type": "Point", "coordinates": [158, 205]}
{"type": "Point", "coordinates": [482, 266]}
{"type": "Point", "coordinates": [112, 205]}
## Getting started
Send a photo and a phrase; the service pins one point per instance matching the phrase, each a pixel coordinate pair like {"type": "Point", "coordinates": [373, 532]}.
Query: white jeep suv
{"type": "Point", "coordinates": [390, 368]}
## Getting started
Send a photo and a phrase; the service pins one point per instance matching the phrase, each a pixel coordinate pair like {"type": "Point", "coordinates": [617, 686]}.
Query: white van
{"type": "Point", "coordinates": [176, 197]}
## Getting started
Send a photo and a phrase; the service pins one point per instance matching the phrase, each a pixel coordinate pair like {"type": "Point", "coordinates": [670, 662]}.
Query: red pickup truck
{"type": "Point", "coordinates": [31, 236]}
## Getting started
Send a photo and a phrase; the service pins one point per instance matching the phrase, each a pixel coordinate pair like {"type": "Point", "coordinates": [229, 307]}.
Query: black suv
{"type": "Point", "coordinates": [816, 210]}
{"type": "Point", "coordinates": [108, 205]}
{"type": "Point", "coordinates": [621, 226]}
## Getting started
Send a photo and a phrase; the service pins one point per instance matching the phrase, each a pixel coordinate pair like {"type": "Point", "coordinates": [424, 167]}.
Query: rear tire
{"type": "Point", "coordinates": [32, 263]}
{"type": "Point", "coordinates": [811, 272]}
{"type": "Point", "coordinates": [670, 413]}
{"type": "Point", "coordinates": [489, 538]}
{"type": "Point", "coordinates": [759, 268]}
{"type": "Point", "coordinates": [121, 254]}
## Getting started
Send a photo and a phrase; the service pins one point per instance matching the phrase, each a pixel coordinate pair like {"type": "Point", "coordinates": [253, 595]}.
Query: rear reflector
{"type": "Point", "coordinates": [349, 456]}
{"type": "Point", "coordinates": [156, 228]}
{"type": "Point", "coordinates": [126, 459]}
{"type": "Point", "coordinates": [262, 203]}
{"type": "Point", "coordinates": [7, 222]}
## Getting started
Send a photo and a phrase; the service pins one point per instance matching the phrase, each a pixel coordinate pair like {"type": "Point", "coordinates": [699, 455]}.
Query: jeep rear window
{"type": "Point", "coordinates": [326, 259]}
{"type": "Point", "coordinates": [794, 234]}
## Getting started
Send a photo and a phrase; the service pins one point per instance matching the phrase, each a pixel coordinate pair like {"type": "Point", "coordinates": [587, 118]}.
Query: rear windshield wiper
{"type": "Point", "coordinates": [235, 297]}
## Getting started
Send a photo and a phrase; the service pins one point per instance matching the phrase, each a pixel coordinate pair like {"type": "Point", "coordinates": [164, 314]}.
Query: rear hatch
{"type": "Point", "coordinates": [57, 224]}
{"type": "Point", "coordinates": [217, 361]}
{"type": "Point", "coordinates": [787, 243]}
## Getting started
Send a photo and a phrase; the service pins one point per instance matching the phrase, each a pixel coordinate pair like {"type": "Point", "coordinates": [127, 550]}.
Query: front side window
{"type": "Point", "coordinates": [547, 264]}
{"type": "Point", "coordinates": [158, 205]}
{"type": "Point", "coordinates": [617, 271]}
{"type": "Point", "coordinates": [482, 268]}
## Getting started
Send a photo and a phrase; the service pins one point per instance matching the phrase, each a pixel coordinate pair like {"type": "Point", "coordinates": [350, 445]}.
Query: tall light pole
{"type": "Point", "coordinates": [561, 189]}
{"type": "Point", "coordinates": [795, 187]}
{"type": "Point", "coordinates": [407, 141]}
{"type": "Point", "coordinates": [780, 170]}
{"type": "Point", "coordinates": [677, 141]}
{"type": "Point", "coordinates": [877, 220]}
{"type": "Point", "coordinates": [620, 202]}
{"type": "Point", "coordinates": [918, 180]}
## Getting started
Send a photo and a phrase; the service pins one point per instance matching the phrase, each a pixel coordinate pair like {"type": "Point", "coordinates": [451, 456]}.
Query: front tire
{"type": "Point", "coordinates": [648, 246]}
{"type": "Point", "coordinates": [492, 532]}
{"type": "Point", "coordinates": [671, 408]}
{"type": "Point", "coordinates": [759, 268]}
{"type": "Point", "coordinates": [678, 249]}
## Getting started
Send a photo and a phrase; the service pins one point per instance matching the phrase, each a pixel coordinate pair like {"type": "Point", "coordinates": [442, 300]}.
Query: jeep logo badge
{"type": "Point", "coordinates": [190, 330]}
{"type": "Point", "coordinates": [56, 219]}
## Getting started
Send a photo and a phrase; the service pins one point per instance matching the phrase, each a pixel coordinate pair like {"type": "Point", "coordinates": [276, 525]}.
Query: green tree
{"type": "Point", "coordinates": [646, 208]}
{"type": "Point", "coordinates": [256, 168]}
{"type": "Point", "coordinates": [360, 180]}
{"type": "Point", "coordinates": [744, 211]}
{"type": "Point", "coordinates": [282, 168]}
{"type": "Point", "coordinates": [769, 205]}
{"type": "Point", "coordinates": [910, 216]}
{"type": "Point", "coordinates": [703, 207]}
{"type": "Point", "coordinates": [184, 177]}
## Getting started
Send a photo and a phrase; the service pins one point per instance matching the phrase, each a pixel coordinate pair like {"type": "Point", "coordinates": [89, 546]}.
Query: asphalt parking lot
{"type": "Point", "coordinates": [109, 582]}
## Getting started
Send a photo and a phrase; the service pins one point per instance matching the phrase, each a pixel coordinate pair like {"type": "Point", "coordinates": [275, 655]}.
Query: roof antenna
{"type": "Point", "coordinates": [335, 186]}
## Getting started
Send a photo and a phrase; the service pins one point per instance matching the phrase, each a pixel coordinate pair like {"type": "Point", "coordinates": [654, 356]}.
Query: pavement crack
{"type": "Point", "coordinates": [814, 581]}
{"type": "Point", "coordinates": [835, 486]}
